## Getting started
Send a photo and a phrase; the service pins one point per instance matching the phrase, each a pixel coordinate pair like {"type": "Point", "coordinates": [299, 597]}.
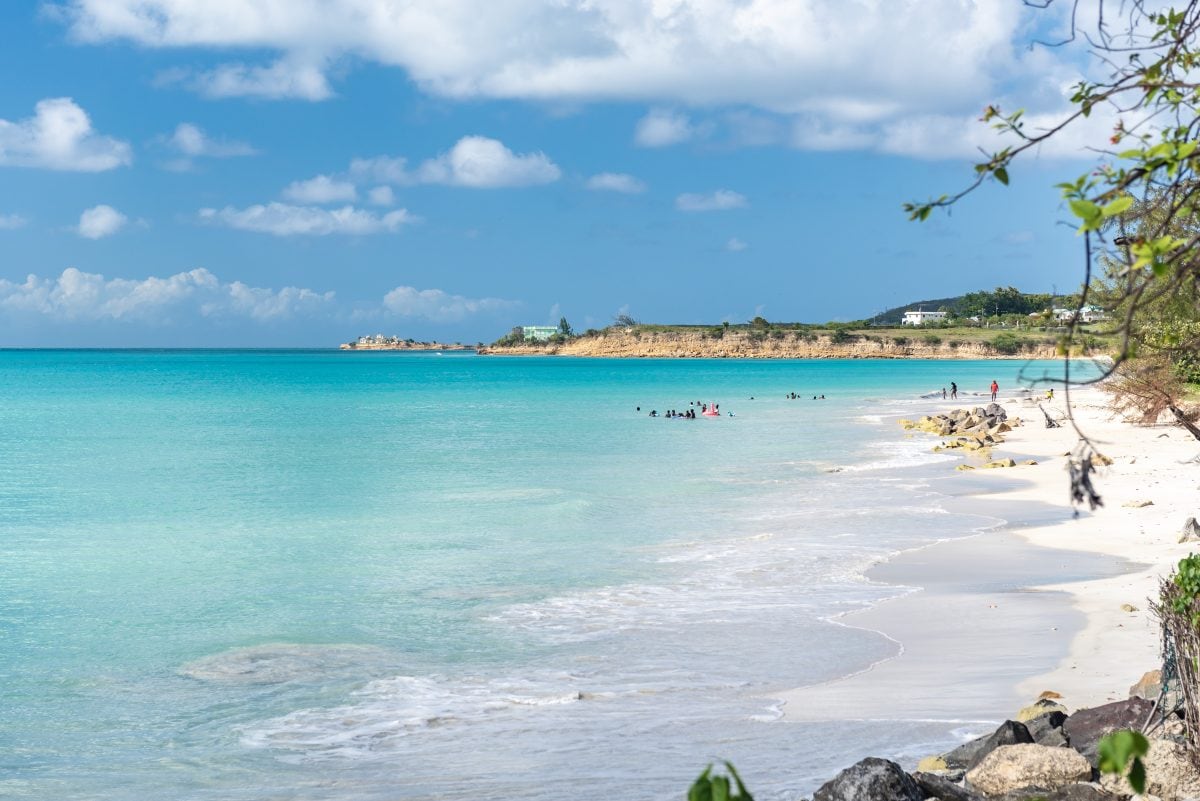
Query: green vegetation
{"type": "Point", "coordinates": [1122, 751]}
{"type": "Point", "coordinates": [1002, 304]}
{"type": "Point", "coordinates": [1006, 343]}
{"type": "Point", "coordinates": [709, 787]}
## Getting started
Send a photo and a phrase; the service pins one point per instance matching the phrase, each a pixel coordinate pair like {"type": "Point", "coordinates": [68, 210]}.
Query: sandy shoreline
{"type": "Point", "coordinates": [1035, 604]}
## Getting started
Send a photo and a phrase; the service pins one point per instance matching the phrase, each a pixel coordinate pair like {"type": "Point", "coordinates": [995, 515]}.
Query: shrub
{"type": "Point", "coordinates": [901, 341]}
{"type": "Point", "coordinates": [716, 332]}
{"type": "Point", "coordinates": [932, 339]}
{"type": "Point", "coordinates": [777, 334]}
{"type": "Point", "coordinates": [1006, 343]}
{"type": "Point", "coordinates": [954, 344]}
{"type": "Point", "coordinates": [840, 336]}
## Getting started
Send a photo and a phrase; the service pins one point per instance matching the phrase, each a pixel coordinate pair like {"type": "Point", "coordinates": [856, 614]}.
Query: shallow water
{"type": "Point", "coordinates": [312, 574]}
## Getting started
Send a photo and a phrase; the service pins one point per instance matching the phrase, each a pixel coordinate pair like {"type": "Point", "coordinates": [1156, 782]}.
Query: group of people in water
{"type": "Point", "coordinates": [994, 389]}
{"type": "Point", "coordinates": [794, 396]}
{"type": "Point", "coordinates": [706, 410]}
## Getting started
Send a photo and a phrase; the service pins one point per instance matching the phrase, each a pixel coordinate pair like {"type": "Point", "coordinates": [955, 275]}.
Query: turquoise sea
{"type": "Point", "coordinates": [323, 575]}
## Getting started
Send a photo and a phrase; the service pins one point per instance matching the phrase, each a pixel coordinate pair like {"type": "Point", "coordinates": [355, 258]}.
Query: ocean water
{"type": "Point", "coordinates": [321, 575]}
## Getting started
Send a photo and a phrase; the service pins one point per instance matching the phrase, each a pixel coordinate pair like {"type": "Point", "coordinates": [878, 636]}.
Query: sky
{"type": "Point", "coordinates": [299, 172]}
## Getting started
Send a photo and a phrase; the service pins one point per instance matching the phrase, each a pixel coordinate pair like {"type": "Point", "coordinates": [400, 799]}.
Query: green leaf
{"type": "Point", "coordinates": [1117, 206]}
{"type": "Point", "coordinates": [1117, 749]}
{"type": "Point", "coordinates": [1085, 210]}
{"type": "Point", "coordinates": [1001, 175]}
{"type": "Point", "coordinates": [1137, 776]}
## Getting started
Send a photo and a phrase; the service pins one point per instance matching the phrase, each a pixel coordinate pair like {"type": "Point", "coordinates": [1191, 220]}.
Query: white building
{"type": "Point", "coordinates": [1088, 314]}
{"type": "Point", "coordinates": [921, 316]}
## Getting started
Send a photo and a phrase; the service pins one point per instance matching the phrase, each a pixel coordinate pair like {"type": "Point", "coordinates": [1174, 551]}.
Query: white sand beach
{"type": "Point", "coordinates": [999, 618]}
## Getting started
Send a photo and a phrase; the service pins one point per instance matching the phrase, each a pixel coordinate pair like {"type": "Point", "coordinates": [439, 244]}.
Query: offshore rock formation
{"type": "Point", "coordinates": [775, 344]}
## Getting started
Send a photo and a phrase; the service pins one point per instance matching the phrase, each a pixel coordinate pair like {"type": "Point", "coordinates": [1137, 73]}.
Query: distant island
{"type": "Point", "coordinates": [381, 342]}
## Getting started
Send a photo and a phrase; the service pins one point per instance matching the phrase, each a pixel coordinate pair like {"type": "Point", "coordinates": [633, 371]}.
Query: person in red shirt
{"type": "Point", "coordinates": [995, 389]}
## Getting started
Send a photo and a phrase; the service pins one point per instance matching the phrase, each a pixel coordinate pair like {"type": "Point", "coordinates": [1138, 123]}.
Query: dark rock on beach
{"type": "Point", "coordinates": [1087, 726]}
{"type": "Point", "coordinates": [1047, 729]}
{"type": "Point", "coordinates": [968, 755]}
{"type": "Point", "coordinates": [872, 779]}
{"type": "Point", "coordinates": [943, 789]}
{"type": "Point", "coordinates": [1071, 792]}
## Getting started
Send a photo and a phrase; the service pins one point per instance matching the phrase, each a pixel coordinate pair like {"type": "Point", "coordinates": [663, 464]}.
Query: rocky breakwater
{"type": "Point", "coordinates": [973, 431]}
{"type": "Point", "coordinates": [703, 343]}
{"type": "Point", "coordinates": [1044, 753]}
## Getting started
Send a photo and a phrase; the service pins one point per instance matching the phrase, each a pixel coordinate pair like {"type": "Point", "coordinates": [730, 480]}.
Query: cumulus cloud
{"type": "Point", "coordinates": [282, 219]}
{"type": "Point", "coordinates": [439, 306]}
{"type": "Point", "coordinates": [101, 221]}
{"type": "Point", "coordinates": [483, 163]}
{"type": "Point", "coordinates": [321, 189]}
{"type": "Point", "coordinates": [661, 127]}
{"type": "Point", "coordinates": [79, 296]}
{"type": "Point", "coordinates": [192, 141]}
{"type": "Point", "coordinates": [735, 245]}
{"type": "Point", "coordinates": [9, 222]}
{"type": "Point", "coordinates": [59, 136]}
{"type": "Point", "coordinates": [719, 200]}
{"type": "Point", "coordinates": [616, 182]}
{"type": "Point", "coordinates": [477, 162]}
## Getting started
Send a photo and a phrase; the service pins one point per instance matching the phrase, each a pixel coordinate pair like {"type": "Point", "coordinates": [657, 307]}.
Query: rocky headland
{"type": "Point", "coordinates": [775, 344]}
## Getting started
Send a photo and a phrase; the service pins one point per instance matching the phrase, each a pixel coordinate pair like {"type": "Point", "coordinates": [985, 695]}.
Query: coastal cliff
{"type": "Point", "coordinates": [777, 344]}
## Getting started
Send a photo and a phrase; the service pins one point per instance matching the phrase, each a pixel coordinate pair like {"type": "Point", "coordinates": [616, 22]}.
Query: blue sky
{"type": "Point", "coordinates": [249, 172]}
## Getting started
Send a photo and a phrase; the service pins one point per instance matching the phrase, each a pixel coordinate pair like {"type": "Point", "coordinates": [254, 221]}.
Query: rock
{"type": "Point", "coordinates": [932, 763]}
{"type": "Point", "coordinates": [1029, 462]}
{"type": "Point", "coordinates": [1041, 707]}
{"type": "Point", "coordinates": [942, 788]}
{"type": "Point", "coordinates": [1170, 775]}
{"type": "Point", "coordinates": [1001, 463]}
{"type": "Point", "coordinates": [1087, 726]}
{"type": "Point", "coordinates": [1191, 531]}
{"type": "Point", "coordinates": [1100, 459]}
{"type": "Point", "coordinates": [1047, 729]}
{"type": "Point", "coordinates": [1149, 686]}
{"type": "Point", "coordinates": [1128, 608]}
{"type": "Point", "coordinates": [968, 755]}
{"type": "Point", "coordinates": [1138, 504]}
{"type": "Point", "coordinates": [964, 467]}
{"type": "Point", "coordinates": [1069, 792]}
{"type": "Point", "coordinates": [872, 779]}
{"type": "Point", "coordinates": [1014, 767]}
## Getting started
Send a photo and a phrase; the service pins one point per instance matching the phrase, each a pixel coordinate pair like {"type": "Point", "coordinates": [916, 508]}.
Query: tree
{"type": "Point", "coordinates": [625, 321]}
{"type": "Point", "coordinates": [1152, 91]}
{"type": "Point", "coordinates": [1146, 388]}
{"type": "Point", "coordinates": [564, 328]}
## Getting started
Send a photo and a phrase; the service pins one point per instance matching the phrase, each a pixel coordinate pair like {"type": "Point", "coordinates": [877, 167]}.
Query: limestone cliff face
{"type": "Point", "coordinates": [740, 344]}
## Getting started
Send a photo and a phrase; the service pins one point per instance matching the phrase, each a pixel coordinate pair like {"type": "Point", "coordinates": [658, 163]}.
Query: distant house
{"type": "Point", "coordinates": [538, 332]}
{"type": "Point", "coordinates": [920, 316]}
{"type": "Point", "coordinates": [1088, 314]}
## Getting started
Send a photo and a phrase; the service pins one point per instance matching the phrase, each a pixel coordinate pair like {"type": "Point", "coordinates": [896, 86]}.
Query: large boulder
{"type": "Point", "coordinates": [872, 779]}
{"type": "Point", "coordinates": [1039, 708]}
{"type": "Point", "coordinates": [1149, 686]}
{"type": "Point", "coordinates": [1085, 728]}
{"type": "Point", "coordinates": [968, 755]}
{"type": "Point", "coordinates": [1016, 767]}
{"type": "Point", "coordinates": [1191, 531]}
{"type": "Point", "coordinates": [1068, 792]}
{"type": "Point", "coordinates": [1170, 775]}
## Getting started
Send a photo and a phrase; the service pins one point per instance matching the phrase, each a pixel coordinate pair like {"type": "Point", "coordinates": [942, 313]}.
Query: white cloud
{"type": "Point", "coordinates": [9, 222]}
{"type": "Point", "coordinates": [439, 306]}
{"type": "Point", "coordinates": [283, 80]}
{"type": "Point", "coordinates": [382, 169]}
{"type": "Point", "coordinates": [321, 189]}
{"type": "Point", "coordinates": [80, 296]}
{"type": "Point", "coordinates": [191, 141]}
{"type": "Point", "coordinates": [735, 245]}
{"type": "Point", "coordinates": [783, 55]}
{"type": "Point", "coordinates": [101, 221]}
{"type": "Point", "coordinates": [719, 200]}
{"type": "Point", "coordinates": [381, 196]}
{"type": "Point", "coordinates": [282, 219]}
{"type": "Point", "coordinates": [661, 127]}
{"type": "Point", "coordinates": [616, 182]}
{"type": "Point", "coordinates": [483, 163]}
{"type": "Point", "coordinates": [59, 136]}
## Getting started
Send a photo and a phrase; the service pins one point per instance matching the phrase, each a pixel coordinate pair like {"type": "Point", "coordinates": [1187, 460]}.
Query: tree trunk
{"type": "Point", "coordinates": [1181, 418]}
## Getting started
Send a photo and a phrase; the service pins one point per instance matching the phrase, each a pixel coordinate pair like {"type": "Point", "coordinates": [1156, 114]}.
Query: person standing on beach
{"type": "Point", "coordinates": [943, 393]}
{"type": "Point", "coordinates": [995, 389]}
{"type": "Point", "coordinates": [953, 390]}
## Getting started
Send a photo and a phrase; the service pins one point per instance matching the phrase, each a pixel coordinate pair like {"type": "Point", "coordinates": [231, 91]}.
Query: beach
{"type": "Point", "coordinates": [1050, 601]}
